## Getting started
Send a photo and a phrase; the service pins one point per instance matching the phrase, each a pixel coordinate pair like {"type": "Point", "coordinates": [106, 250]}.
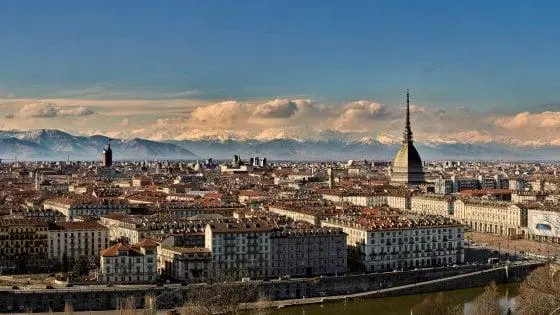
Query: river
{"type": "Point", "coordinates": [398, 305]}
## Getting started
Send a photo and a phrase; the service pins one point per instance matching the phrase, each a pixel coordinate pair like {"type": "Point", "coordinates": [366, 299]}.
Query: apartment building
{"type": "Point", "coordinates": [190, 264]}
{"type": "Point", "coordinates": [239, 249]}
{"type": "Point", "coordinates": [23, 245]}
{"type": "Point", "coordinates": [358, 198]}
{"type": "Point", "coordinates": [133, 228]}
{"type": "Point", "coordinates": [441, 205]}
{"type": "Point", "coordinates": [491, 216]}
{"type": "Point", "coordinates": [307, 252]}
{"type": "Point", "coordinates": [80, 206]}
{"type": "Point", "coordinates": [124, 263]}
{"type": "Point", "coordinates": [399, 201]}
{"type": "Point", "coordinates": [70, 240]}
{"type": "Point", "coordinates": [387, 243]}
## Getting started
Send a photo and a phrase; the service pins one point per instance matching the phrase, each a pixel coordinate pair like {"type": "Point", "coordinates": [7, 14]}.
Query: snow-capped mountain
{"type": "Point", "coordinates": [54, 144]}
{"type": "Point", "coordinates": [57, 145]}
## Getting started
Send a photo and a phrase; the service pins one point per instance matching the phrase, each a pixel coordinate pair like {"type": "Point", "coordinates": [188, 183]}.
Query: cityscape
{"type": "Point", "coordinates": [264, 193]}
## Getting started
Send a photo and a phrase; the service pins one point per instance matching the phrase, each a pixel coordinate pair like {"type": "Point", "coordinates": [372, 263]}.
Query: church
{"type": "Point", "coordinates": [407, 169]}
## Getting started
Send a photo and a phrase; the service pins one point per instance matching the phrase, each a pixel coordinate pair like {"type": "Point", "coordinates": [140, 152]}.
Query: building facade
{"type": "Point", "coordinates": [239, 249]}
{"type": "Point", "coordinates": [432, 205]}
{"type": "Point", "coordinates": [24, 245]}
{"type": "Point", "coordinates": [491, 216]}
{"type": "Point", "coordinates": [70, 240]}
{"type": "Point", "coordinates": [390, 244]}
{"type": "Point", "coordinates": [124, 263]}
{"type": "Point", "coordinates": [307, 252]}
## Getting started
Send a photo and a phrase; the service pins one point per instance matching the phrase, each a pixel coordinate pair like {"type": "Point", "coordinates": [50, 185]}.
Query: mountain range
{"type": "Point", "coordinates": [52, 144]}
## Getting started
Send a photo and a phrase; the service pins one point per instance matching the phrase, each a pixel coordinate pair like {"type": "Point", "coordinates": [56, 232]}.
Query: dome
{"type": "Point", "coordinates": [407, 166]}
{"type": "Point", "coordinates": [407, 157]}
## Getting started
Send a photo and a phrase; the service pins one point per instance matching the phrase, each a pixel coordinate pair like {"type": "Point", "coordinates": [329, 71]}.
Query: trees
{"type": "Point", "coordinates": [81, 266]}
{"type": "Point", "coordinates": [437, 305]}
{"type": "Point", "coordinates": [486, 303]}
{"type": "Point", "coordinates": [540, 292]}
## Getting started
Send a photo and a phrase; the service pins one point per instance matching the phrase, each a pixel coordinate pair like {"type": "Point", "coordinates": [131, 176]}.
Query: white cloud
{"type": "Point", "coordinates": [48, 110]}
{"type": "Point", "coordinates": [278, 108]}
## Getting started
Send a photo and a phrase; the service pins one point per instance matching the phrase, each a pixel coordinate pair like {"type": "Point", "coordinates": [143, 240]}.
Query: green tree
{"type": "Point", "coordinates": [65, 263]}
{"type": "Point", "coordinates": [81, 266]}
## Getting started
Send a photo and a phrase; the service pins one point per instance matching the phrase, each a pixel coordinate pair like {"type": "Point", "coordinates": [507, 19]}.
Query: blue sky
{"type": "Point", "coordinates": [478, 70]}
{"type": "Point", "coordinates": [471, 53]}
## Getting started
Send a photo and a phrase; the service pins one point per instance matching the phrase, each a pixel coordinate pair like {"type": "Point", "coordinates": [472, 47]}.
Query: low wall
{"type": "Point", "coordinates": [103, 298]}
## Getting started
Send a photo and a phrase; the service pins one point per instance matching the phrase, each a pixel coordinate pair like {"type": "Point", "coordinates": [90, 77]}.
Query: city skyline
{"type": "Point", "coordinates": [253, 70]}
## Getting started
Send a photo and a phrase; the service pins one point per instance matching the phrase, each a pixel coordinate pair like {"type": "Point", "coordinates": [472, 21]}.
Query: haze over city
{"type": "Point", "coordinates": [479, 72]}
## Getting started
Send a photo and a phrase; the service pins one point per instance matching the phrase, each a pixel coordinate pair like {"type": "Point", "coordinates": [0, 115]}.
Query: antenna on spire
{"type": "Point", "coordinates": [407, 134]}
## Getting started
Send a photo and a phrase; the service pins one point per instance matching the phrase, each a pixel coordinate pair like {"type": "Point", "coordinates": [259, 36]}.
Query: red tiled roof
{"type": "Point", "coordinates": [147, 242]}
{"type": "Point", "coordinates": [114, 251]}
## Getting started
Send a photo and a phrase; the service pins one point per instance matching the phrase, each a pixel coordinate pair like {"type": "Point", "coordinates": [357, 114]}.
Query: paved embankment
{"type": "Point", "coordinates": [283, 293]}
{"type": "Point", "coordinates": [499, 275]}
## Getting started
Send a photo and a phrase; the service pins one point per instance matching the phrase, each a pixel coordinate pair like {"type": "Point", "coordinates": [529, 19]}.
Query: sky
{"type": "Point", "coordinates": [477, 70]}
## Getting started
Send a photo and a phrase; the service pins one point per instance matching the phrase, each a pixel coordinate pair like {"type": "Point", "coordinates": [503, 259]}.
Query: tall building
{"type": "Point", "coordinates": [407, 167]}
{"type": "Point", "coordinates": [107, 156]}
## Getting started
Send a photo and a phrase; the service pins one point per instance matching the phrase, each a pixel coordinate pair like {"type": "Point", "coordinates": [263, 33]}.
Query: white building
{"type": "Point", "coordinates": [123, 263]}
{"type": "Point", "coordinates": [390, 243]}
{"type": "Point", "coordinates": [543, 223]}
{"type": "Point", "coordinates": [75, 239]}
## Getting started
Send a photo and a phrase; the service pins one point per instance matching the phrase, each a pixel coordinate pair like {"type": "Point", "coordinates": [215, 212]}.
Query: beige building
{"type": "Point", "coordinates": [296, 214]}
{"type": "Point", "coordinates": [432, 205]}
{"type": "Point", "coordinates": [80, 206]}
{"type": "Point", "coordinates": [399, 201]}
{"type": "Point", "coordinates": [364, 199]}
{"type": "Point", "coordinates": [491, 216]}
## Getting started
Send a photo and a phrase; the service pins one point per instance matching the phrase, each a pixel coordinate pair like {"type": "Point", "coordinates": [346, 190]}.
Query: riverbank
{"type": "Point", "coordinates": [281, 293]}
{"type": "Point", "coordinates": [499, 275]}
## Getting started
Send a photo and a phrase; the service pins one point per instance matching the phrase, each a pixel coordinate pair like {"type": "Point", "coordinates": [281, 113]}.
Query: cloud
{"type": "Point", "coordinates": [49, 110]}
{"type": "Point", "coordinates": [513, 122]}
{"type": "Point", "coordinates": [225, 113]}
{"type": "Point", "coordinates": [530, 121]}
{"type": "Point", "coordinates": [280, 118]}
{"type": "Point", "coordinates": [278, 108]}
{"type": "Point", "coordinates": [356, 115]}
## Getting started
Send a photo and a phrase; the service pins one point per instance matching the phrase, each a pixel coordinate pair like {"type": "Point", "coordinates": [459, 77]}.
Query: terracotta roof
{"type": "Point", "coordinates": [78, 225]}
{"type": "Point", "coordinates": [120, 249]}
{"type": "Point", "coordinates": [147, 242]}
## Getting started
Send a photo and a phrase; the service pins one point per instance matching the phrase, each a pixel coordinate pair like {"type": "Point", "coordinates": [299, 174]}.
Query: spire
{"type": "Point", "coordinates": [407, 134]}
